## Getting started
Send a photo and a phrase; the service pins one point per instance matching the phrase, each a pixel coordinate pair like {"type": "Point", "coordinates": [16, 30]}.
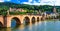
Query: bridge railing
{"type": "Point", "coordinates": [33, 14]}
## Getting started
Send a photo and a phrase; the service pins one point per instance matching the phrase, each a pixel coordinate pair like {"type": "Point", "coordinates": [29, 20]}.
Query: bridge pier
{"type": "Point", "coordinates": [30, 21]}
{"type": "Point", "coordinates": [7, 22]}
{"type": "Point", "coordinates": [35, 19]}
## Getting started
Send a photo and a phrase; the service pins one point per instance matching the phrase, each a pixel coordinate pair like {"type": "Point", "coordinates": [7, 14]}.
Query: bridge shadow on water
{"type": "Point", "coordinates": [15, 24]}
{"type": "Point", "coordinates": [5, 29]}
{"type": "Point", "coordinates": [31, 26]}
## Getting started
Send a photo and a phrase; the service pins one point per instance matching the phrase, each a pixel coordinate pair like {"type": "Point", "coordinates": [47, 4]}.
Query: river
{"type": "Point", "coordinates": [37, 26]}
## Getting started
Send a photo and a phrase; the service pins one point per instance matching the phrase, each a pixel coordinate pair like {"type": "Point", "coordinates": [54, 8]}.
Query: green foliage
{"type": "Point", "coordinates": [3, 12]}
{"type": "Point", "coordinates": [17, 13]}
{"type": "Point", "coordinates": [4, 6]}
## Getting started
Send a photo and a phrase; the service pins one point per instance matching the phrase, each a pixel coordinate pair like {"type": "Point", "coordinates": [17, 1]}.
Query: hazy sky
{"type": "Point", "coordinates": [35, 2]}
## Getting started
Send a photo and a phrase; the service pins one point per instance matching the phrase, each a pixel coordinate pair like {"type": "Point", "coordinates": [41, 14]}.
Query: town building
{"type": "Point", "coordinates": [17, 9]}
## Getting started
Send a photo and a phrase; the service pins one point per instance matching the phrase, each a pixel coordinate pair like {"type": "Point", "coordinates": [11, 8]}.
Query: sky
{"type": "Point", "coordinates": [35, 2]}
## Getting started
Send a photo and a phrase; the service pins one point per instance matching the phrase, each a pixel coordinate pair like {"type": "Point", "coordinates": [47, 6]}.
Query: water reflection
{"type": "Point", "coordinates": [30, 26]}
{"type": "Point", "coordinates": [45, 25]}
{"type": "Point", "coordinates": [57, 26]}
{"type": "Point", "coordinates": [21, 27]}
{"type": "Point", "coordinates": [5, 29]}
{"type": "Point", "coordinates": [37, 26]}
{"type": "Point", "coordinates": [36, 23]}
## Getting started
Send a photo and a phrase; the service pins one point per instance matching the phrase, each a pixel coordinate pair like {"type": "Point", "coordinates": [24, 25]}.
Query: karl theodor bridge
{"type": "Point", "coordinates": [5, 21]}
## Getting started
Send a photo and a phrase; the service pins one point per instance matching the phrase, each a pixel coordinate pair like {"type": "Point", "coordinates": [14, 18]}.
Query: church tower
{"type": "Point", "coordinates": [54, 9]}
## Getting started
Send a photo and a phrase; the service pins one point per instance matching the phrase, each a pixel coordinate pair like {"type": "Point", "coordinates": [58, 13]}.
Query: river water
{"type": "Point", "coordinates": [37, 26]}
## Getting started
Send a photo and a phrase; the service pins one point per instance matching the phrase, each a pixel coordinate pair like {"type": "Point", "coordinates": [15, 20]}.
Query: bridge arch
{"type": "Point", "coordinates": [37, 18]}
{"type": "Point", "coordinates": [26, 20]}
{"type": "Point", "coordinates": [1, 25]}
{"type": "Point", "coordinates": [17, 20]}
{"type": "Point", "coordinates": [33, 19]}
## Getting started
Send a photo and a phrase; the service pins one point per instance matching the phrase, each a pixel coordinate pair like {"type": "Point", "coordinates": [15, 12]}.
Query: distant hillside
{"type": "Point", "coordinates": [7, 5]}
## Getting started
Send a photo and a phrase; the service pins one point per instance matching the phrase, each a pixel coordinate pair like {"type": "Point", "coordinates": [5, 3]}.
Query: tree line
{"type": "Point", "coordinates": [4, 6]}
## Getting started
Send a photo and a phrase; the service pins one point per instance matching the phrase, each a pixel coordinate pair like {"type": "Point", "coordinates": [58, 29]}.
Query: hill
{"type": "Point", "coordinates": [25, 6]}
{"type": "Point", "coordinates": [4, 6]}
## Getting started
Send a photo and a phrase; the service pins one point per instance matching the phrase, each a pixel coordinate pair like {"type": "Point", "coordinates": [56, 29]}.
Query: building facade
{"type": "Point", "coordinates": [15, 9]}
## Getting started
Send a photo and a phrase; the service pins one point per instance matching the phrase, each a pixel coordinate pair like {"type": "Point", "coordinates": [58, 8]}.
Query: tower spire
{"type": "Point", "coordinates": [54, 9]}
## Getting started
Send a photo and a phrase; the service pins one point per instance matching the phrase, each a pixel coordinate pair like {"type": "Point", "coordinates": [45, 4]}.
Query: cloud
{"type": "Point", "coordinates": [40, 2]}
{"type": "Point", "coordinates": [43, 2]}
{"type": "Point", "coordinates": [7, 0]}
{"type": "Point", "coordinates": [57, 2]}
{"type": "Point", "coordinates": [31, 2]}
{"type": "Point", "coordinates": [48, 2]}
{"type": "Point", "coordinates": [1, 0]}
{"type": "Point", "coordinates": [4, 0]}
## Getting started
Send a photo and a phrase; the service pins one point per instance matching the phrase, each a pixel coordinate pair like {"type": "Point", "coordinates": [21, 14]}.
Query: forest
{"type": "Point", "coordinates": [4, 6]}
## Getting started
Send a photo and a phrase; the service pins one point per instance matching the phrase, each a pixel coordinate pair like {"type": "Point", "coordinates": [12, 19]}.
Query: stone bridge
{"type": "Point", "coordinates": [5, 21]}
